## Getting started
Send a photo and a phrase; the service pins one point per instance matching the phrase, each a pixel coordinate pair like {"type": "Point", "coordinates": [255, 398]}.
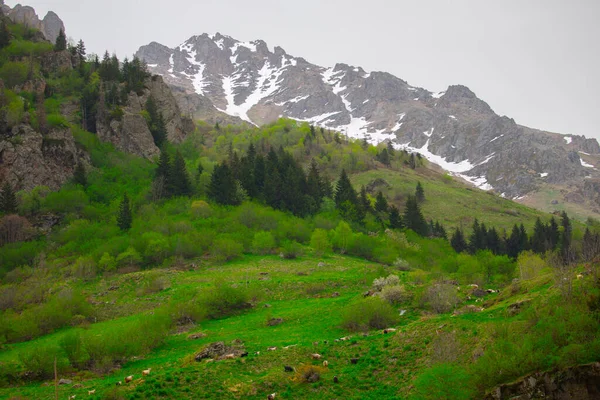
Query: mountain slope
{"type": "Point", "coordinates": [217, 75]}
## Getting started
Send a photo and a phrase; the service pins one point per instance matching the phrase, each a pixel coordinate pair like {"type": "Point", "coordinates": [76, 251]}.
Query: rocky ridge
{"type": "Point", "coordinates": [216, 74]}
{"type": "Point", "coordinates": [50, 26]}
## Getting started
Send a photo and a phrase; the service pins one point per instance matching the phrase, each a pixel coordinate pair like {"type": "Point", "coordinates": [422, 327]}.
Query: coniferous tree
{"type": "Point", "coordinates": [61, 41]}
{"type": "Point", "coordinates": [524, 239]}
{"type": "Point", "coordinates": [223, 188]}
{"type": "Point", "coordinates": [272, 182]}
{"type": "Point", "coordinates": [79, 176]}
{"type": "Point", "coordinates": [440, 231]}
{"type": "Point", "coordinates": [395, 218]}
{"type": "Point", "coordinates": [162, 175]}
{"type": "Point", "coordinates": [381, 204]}
{"type": "Point", "coordinates": [346, 199]}
{"type": "Point", "coordinates": [125, 218]}
{"type": "Point", "coordinates": [259, 174]}
{"type": "Point", "coordinates": [565, 238]}
{"type": "Point", "coordinates": [553, 233]}
{"type": "Point", "coordinates": [413, 218]}
{"type": "Point", "coordinates": [493, 241]}
{"type": "Point", "coordinates": [539, 243]}
{"type": "Point", "coordinates": [179, 177]}
{"type": "Point", "coordinates": [314, 186]}
{"type": "Point", "coordinates": [80, 49]}
{"type": "Point", "coordinates": [412, 163]}
{"type": "Point", "coordinates": [420, 193]}
{"type": "Point", "coordinates": [364, 201]}
{"type": "Point", "coordinates": [157, 124]}
{"type": "Point", "coordinates": [384, 157]}
{"type": "Point", "coordinates": [590, 247]}
{"type": "Point", "coordinates": [458, 242]}
{"type": "Point", "coordinates": [476, 239]}
{"type": "Point", "coordinates": [8, 199]}
{"type": "Point", "coordinates": [390, 149]}
{"type": "Point", "coordinates": [514, 243]}
{"type": "Point", "coordinates": [4, 35]}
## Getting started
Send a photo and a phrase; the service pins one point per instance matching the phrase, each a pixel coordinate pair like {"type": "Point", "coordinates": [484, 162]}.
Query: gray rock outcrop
{"type": "Point", "coordinates": [29, 159]}
{"type": "Point", "coordinates": [50, 26]}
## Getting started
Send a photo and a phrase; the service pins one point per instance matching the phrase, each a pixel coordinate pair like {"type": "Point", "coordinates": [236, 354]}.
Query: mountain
{"type": "Point", "coordinates": [218, 78]}
{"type": "Point", "coordinates": [50, 26]}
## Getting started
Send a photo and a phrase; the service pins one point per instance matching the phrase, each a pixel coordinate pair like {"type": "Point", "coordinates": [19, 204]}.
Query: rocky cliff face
{"type": "Point", "coordinates": [29, 159]}
{"type": "Point", "coordinates": [130, 132]}
{"type": "Point", "coordinates": [576, 383]}
{"type": "Point", "coordinates": [215, 74]}
{"type": "Point", "coordinates": [50, 26]}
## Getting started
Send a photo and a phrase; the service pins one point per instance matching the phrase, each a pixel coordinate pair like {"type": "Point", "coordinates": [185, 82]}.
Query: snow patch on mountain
{"type": "Point", "coordinates": [568, 139]}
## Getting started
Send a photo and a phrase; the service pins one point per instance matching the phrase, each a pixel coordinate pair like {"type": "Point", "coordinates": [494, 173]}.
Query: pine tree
{"type": "Point", "coordinates": [61, 41]}
{"type": "Point", "coordinates": [79, 176]}
{"type": "Point", "coordinates": [223, 188]}
{"type": "Point", "coordinates": [590, 246]}
{"type": "Point", "coordinates": [346, 199]}
{"type": "Point", "coordinates": [162, 175]}
{"type": "Point", "coordinates": [80, 49]}
{"type": "Point", "coordinates": [553, 234]}
{"type": "Point", "coordinates": [565, 238]}
{"type": "Point", "coordinates": [413, 218]}
{"type": "Point", "coordinates": [419, 193]}
{"type": "Point", "coordinates": [314, 185]}
{"type": "Point", "coordinates": [395, 218]}
{"type": "Point", "coordinates": [4, 35]}
{"type": "Point", "coordinates": [493, 241]}
{"type": "Point", "coordinates": [390, 149]}
{"type": "Point", "coordinates": [514, 243]}
{"type": "Point", "coordinates": [476, 239]}
{"type": "Point", "coordinates": [381, 204]}
{"type": "Point", "coordinates": [412, 162]}
{"type": "Point", "coordinates": [124, 219]}
{"type": "Point", "coordinates": [8, 200]}
{"type": "Point", "coordinates": [259, 174]}
{"type": "Point", "coordinates": [158, 127]}
{"type": "Point", "coordinates": [384, 157]}
{"type": "Point", "coordinates": [364, 201]}
{"type": "Point", "coordinates": [458, 242]}
{"type": "Point", "coordinates": [539, 244]}
{"type": "Point", "coordinates": [179, 177]}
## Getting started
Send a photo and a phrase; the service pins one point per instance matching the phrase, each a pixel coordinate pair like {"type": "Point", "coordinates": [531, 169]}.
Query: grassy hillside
{"type": "Point", "coordinates": [98, 300]}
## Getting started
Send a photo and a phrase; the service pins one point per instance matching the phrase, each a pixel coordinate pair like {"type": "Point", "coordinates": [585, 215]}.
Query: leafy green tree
{"type": "Point", "coordinates": [458, 242]}
{"type": "Point", "coordinates": [79, 176]}
{"type": "Point", "coordinates": [419, 193]}
{"type": "Point", "coordinates": [342, 237]}
{"type": "Point", "coordinates": [319, 241]}
{"type": "Point", "coordinates": [61, 41]}
{"type": "Point", "coordinates": [8, 200]}
{"type": "Point", "coordinates": [124, 218]}
{"type": "Point", "coordinates": [413, 218]}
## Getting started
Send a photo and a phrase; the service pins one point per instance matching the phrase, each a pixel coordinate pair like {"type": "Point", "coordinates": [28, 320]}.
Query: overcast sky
{"type": "Point", "coordinates": [537, 61]}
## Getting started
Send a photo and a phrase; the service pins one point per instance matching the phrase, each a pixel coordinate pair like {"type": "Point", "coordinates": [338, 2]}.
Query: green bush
{"type": "Point", "coordinates": [14, 73]}
{"type": "Point", "coordinates": [263, 242]}
{"type": "Point", "coordinates": [224, 300]}
{"type": "Point", "coordinates": [57, 121]}
{"type": "Point", "coordinates": [72, 345]}
{"type": "Point", "coordinates": [226, 249]}
{"type": "Point", "coordinates": [319, 241]}
{"type": "Point", "coordinates": [291, 249]}
{"type": "Point", "coordinates": [443, 381]}
{"type": "Point", "coordinates": [369, 313]}
{"type": "Point", "coordinates": [39, 361]}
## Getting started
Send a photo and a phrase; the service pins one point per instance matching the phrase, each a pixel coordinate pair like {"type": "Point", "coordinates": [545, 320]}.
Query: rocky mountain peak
{"type": "Point", "coordinates": [221, 78]}
{"type": "Point", "coordinates": [50, 26]}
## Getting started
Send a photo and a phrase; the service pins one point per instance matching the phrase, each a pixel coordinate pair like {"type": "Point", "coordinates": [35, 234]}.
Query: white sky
{"type": "Point", "coordinates": [537, 61]}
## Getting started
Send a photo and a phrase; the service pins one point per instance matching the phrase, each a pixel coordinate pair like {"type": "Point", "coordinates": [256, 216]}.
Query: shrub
{"type": "Point", "coordinates": [394, 294]}
{"type": "Point", "coordinates": [129, 258]}
{"type": "Point", "coordinates": [13, 73]}
{"type": "Point", "coordinates": [225, 300]}
{"type": "Point", "coordinates": [107, 263]}
{"type": "Point", "coordinates": [402, 264]}
{"type": "Point", "coordinates": [291, 249]}
{"type": "Point", "coordinates": [84, 268]}
{"type": "Point", "coordinates": [369, 313]}
{"type": "Point", "coordinates": [380, 283]}
{"type": "Point", "coordinates": [225, 249]}
{"type": "Point", "coordinates": [440, 298]}
{"type": "Point", "coordinates": [319, 241]}
{"type": "Point", "coordinates": [57, 121]}
{"type": "Point", "coordinates": [154, 282]}
{"type": "Point", "coordinates": [201, 209]}
{"type": "Point", "coordinates": [444, 381]}
{"type": "Point", "coordinates": [263, 242]}
{"type": "Point", "coordinates": [39, 361]}
{"type": "Point", "coordinates": [14, 228]}
{"type": "Point", "coordinates": [73, 346]}
{"type": "Point", "coordinates": [308, 373]}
